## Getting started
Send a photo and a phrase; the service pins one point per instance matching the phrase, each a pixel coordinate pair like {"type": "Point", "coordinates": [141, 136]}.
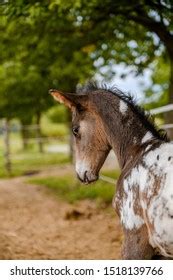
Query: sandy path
{"type": "Point", "coordinates": [34, 224]}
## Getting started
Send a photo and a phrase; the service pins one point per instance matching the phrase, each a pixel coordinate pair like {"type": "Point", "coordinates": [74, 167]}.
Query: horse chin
{"type": "Point", "coordinates": [90, 181]}
{"type": "Point", "coordinates": [88, 178]}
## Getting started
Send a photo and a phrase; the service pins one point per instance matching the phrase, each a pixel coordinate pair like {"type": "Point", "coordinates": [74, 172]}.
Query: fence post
{"type": "Point", "coordinates": [38, 133]}
{"type": "Point", "coordinates": [24, 136]}
{"type": "Point", "coordinates": [7, 159]}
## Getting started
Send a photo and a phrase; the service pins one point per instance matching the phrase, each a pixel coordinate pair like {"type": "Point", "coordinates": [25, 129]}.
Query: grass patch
{"type": "Point", "coordinates": [26, 162]}
{"type": "Point", "coordinates": [70, 189]}
{"type": "Point", "coordinates": [111, 173]}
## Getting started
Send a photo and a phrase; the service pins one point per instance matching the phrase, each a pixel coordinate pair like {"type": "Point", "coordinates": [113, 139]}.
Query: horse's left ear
{"type": "Point", "coordinates": [70, 100]}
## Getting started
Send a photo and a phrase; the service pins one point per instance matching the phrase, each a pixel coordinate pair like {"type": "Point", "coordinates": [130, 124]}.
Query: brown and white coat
{"type": "Point", "coordinates": [105, 119]}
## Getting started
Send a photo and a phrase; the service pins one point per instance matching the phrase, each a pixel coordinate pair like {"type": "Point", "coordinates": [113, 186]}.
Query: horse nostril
{"type": "Point", "coordinates": [85, 177]}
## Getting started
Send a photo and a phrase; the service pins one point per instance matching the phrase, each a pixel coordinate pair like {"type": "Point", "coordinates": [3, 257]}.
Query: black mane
{"type": "Point", "coordinates": [145, 117]}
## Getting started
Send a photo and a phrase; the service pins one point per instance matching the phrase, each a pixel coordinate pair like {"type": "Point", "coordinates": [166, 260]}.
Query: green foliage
{"type": "Point", "coordinates": [39, 50]}
{"type": "Point", "coordinates": [134, 32]}
{"type": "Point", "coordinates": [158, 93]}
{"type": "Point", "coordinates": [118, 32]}
{"type": "Point", "coordinates": [57, 114]}
{"type": "Point", "coordinates": [68, 188]}
{"type": "Point", "coordinates": [51, 129]}
{"type": "Point", "coordinates": [59, 43]}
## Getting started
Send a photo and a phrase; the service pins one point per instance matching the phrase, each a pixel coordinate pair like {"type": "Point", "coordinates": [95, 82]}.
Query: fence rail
{"type": "Point", "coordinates": [163, 109]}
{"type": "Point", "coordinates": [39, 139]}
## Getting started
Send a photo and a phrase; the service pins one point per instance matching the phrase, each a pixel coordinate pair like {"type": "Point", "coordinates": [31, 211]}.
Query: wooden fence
{"type": "Point", "coordinates": [5, 133]}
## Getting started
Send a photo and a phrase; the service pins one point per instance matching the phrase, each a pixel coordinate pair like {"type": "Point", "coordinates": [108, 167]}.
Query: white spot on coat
{"type": "Point", "coordinates": [123, 107]}
{"type": "Point", "coordinates": [155, 200]}
{"type": "Point", "coordinates": [148, 147]}
{"type": "Point", "coordinates": [147, 137]}
{"type": "Point", "coordinates": [143, 177]}
{"type": "Point", "coordinates": [134, 140]}
{"type": "Point", "coordinates": [165, 151]}
{"type": "Point", "coordinates": [160, 209]}
{"type": "Point", "coordinates": [129, 218]}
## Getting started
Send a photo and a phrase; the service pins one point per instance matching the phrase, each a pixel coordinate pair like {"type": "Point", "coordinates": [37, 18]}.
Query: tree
{"type": "Point", "coordinates": [40, 49]}
{"type": "Point", "coordinates": [61, 43]}
{"type": "Point", "coordinates": [133, 32]}
{"type": "Point", "coordinates": [156, 95]}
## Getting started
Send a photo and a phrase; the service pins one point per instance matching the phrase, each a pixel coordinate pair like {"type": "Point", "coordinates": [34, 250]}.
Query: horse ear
{"type": "Point", "coordinates": [61, 98]}
{"type": "Point", "coordinates": [70, 100]}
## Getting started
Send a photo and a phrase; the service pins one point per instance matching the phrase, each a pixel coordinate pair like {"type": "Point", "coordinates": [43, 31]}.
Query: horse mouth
{"type": "Point", "coordinates": [88, 178]}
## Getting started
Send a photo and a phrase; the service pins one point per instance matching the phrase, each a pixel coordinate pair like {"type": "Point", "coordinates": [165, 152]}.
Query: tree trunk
{"type": "Point", "coordinates": [38, 133]}
{"type": "Point", "coordinates": [169, 115]}
{"type": "Point", "coordinates": [7, 146]}
{"type": "Point", "coordinates": [24, 137]}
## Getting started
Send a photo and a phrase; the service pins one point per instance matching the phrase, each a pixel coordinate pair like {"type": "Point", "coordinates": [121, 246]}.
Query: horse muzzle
{"type": "Point", "coordinates": [87, 177]}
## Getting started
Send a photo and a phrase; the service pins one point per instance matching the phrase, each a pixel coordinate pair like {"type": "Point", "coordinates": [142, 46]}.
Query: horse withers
{"type": "Point", "coordinates": [105, 119]}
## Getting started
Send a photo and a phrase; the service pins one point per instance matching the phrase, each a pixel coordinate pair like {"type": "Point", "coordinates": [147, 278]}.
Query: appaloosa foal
{"type": "Point", "coordinates": [103, 119]}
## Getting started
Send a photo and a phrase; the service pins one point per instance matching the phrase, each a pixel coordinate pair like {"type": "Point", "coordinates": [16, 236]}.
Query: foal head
{"type": "Point", "coordinates": [91, 144]}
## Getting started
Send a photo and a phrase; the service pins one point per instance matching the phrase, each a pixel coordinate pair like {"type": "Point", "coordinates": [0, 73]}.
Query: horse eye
{"type": "Point", "coordinates": [75, 130]}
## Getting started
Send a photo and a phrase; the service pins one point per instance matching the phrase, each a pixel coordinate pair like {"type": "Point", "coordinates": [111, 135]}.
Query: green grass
{"type": "Point", "coordinates": [70, 189]}
{"type": "Point", "coordinates": [28, 162]}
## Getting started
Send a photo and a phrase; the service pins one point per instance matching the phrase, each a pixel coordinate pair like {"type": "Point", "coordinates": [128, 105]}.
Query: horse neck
{"type": "Point", "coordinates": [125, 131]}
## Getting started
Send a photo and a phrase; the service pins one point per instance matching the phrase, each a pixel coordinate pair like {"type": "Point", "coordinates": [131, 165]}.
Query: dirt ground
{"type": "Point", "coordinates": [34, 224]}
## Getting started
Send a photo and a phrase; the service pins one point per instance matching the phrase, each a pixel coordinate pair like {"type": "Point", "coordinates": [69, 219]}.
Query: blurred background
{"type": "Point", "coordinates": [62, 44]}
